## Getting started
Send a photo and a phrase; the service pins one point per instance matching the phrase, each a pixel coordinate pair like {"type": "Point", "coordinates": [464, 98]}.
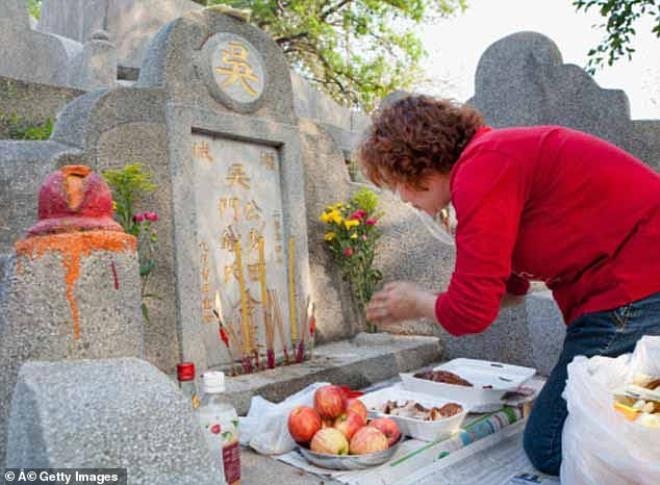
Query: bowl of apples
{"type": "Point", "coordinates": [336, 433]}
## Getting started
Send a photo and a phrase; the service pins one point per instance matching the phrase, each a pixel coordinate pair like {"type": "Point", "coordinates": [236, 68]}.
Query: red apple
{"type": "Point", "coordinates": [329, 401]}
{"type": "Point", "coordinates": [330, 441]}
{"type": "Point", "coordinates": [358, 406]}
{"type": "Point", "coordinates": [388, 427]}
{"type": "Point", "coordinates": [368, 440]}
{"type": "Point", "coordinates": [348, 423]}
{"type": "Point", "coordinates": [303, 423]}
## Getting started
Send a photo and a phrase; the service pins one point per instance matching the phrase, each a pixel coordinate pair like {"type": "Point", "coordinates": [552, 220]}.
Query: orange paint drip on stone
{"type": "Point", "coordinates": [72, 246]}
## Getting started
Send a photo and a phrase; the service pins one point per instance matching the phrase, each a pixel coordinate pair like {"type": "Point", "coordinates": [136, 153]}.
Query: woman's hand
{"type": "Point", "coordinates": [398, 301]}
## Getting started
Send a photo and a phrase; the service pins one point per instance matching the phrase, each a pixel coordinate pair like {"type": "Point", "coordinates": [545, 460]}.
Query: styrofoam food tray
{"type": "Point", "coordinates": [423, 430]}
{"type": "Point", "coordinates": [501, 377]}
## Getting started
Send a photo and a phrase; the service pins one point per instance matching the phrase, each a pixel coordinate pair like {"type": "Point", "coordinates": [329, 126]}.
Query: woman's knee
{"type": "Point", "coordinates": [544, 458]}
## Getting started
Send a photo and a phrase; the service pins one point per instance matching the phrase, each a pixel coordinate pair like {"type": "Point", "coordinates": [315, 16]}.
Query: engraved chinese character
{"type": "Point", "coordinates": [226, 203]}
{"type": "Point", "coordinates": [278, 225]}
{"type": "Point", "coordinates": [227, 240]}
{"type": "Point", "coordinates": [253, 271]}
{"type": "Point", "coordinates": [253, 238]}
{"type": "Point", "coordinates": [201, 150]}
{"type": "Point", "coordinates": [278, 253]}
{"type": "Point", "coordinates": [237, 176]}
{"type": "Point", "coordinates": [230, 272]}
{"type": "Point", "coordinates": [268, 160]}
{"type": "Point", "coordinates": [207, 309]}
{"type": "Point", "coordinates": [252, 211]}
{"type": "Point", "coordinates": [237, 68]}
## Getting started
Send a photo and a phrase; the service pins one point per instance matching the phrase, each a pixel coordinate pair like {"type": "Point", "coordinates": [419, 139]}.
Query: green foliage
{"type": "Point", "coordinates": [357, 51]}
{"type": "Point", "coordinates": [351, 238]}
{"type": "Point", "coordinates": [621, 17]}
{"type": "Point", "coordinates": [20, 129]}
{"type": "Point", "coordinates": [34, 8]}
{"type": "Point", "coordinates": [129, 186]}
{"type": "Point", "coordinates": [366, 200]}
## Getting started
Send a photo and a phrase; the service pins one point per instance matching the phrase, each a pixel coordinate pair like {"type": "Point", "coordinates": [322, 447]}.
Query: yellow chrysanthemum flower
{"type": "Point", "coordinates": [329, 236]}
{"type": "Point", "coordinates": [354, 235]}
{"type": "Point", "coordinates": [335, 216]}
{"type": "Point", "coordinates": [351, 223]}
{"type": "Point", "coordinates": [325, 217]}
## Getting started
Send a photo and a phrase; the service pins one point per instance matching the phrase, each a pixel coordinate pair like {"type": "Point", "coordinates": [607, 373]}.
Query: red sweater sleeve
{"type": "Point", "coordinates": [488, 193]}
{"type": "Point", "coordinates": [517, 285]}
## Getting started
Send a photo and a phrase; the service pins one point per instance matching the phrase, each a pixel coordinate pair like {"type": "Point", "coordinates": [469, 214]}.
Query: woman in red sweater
{"type": "Point", "coordinates": [538, 203]}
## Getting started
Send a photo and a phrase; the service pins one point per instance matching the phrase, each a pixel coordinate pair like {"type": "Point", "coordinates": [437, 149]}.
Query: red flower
{"type": "Point", "coordinates": [358, 214]}
{"type": "Point", "coordinates": [151, 216]}
{"type": "Point", "coordinates": [371, 222]}
{"type": "Point", "coordinates": [215, 429]}
{"type": "Point", "coordinates": [348, 252]}
{"type": "Point", "coordinates": [139, 217]}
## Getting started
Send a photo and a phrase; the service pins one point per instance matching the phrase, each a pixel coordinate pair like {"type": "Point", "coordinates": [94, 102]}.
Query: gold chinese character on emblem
{"type": "Point", "coordinates": [236, 68]}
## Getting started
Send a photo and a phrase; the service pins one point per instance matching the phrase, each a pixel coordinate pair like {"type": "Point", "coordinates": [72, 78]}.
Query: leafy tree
{"type": "Point", "coordinates": [34, 7]}
{"type": "Point", "coordinates": [621, 17]}
{"type": "Point", "coordinates": [357, 51]}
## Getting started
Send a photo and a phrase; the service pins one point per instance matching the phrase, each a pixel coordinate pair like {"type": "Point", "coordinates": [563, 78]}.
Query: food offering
{"type": "Point", "coordinates": [640, 401]}
{"type": "Point", "coordinates": [443, 376]}
{"type": "Point", "coordinates": [421, 416]}
{"type": "Point", "coordinates": [414, 410]}
{"type": "Point", "coordinates": [480, 385]}
{"type": "Point", "coordinates": [336, 432]}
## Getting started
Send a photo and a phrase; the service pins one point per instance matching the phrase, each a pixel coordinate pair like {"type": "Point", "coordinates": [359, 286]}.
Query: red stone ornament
{"type": "Point", "coordinates": [73, 199]}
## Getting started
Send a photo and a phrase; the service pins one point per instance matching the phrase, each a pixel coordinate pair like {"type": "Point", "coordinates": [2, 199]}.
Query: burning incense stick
{"type": "Point", "coordinates": [265, 306]}
{"type": "Point", "coordinates": [292, 292]}
{"type": "Point", "coordinates": [312, 331]}
{"type": "Point", "coordinates": [224, 336]}
{"type": "Point", "coordinates": [304, 320]}
{"type": "Point", "coordinates": [245, 317]}
{"type": "Point", "coordinates": [277, 316]}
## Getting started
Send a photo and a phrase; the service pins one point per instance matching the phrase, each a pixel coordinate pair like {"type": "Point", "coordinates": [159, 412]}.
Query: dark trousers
{"type": "Point", "coordinates": [609, 333]}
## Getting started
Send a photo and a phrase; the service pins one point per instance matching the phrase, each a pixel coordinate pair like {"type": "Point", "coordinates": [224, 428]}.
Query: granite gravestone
{"type": "Point", "coordinates": [50, 59]}
{"type": "Point", "coordinates": [131, 24]}
{"type": "Point", "coordinates": [522, 80]}
{"type": "Point", "coordinates": [212, 117]}
{"type": "Point", "coordinates": [107, 413]}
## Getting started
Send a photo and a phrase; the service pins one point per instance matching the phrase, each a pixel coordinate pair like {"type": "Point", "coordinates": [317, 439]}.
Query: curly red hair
{"type": "Point", "coordinates": [414, 137]}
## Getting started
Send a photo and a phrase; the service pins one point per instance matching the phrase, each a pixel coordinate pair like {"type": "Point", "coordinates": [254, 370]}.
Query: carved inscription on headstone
{"type": "Point", "coordinates": [239, 207]}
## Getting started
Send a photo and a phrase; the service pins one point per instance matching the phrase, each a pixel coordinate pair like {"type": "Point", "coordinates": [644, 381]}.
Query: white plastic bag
{"type": "Point", "coordinates": [265, 427]}
{"type": "Point", "coordinates": [599, 446]}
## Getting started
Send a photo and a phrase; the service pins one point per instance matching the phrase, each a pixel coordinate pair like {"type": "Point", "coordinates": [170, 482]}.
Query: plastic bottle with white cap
{"type": "Point", "coordinates": [219, 422]}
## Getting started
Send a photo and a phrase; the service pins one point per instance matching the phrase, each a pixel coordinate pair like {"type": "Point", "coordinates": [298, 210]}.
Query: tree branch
{"type": "Point", "coordinates": [291, 38]}
{"type": "Point", "coordinates": [333, 9]}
